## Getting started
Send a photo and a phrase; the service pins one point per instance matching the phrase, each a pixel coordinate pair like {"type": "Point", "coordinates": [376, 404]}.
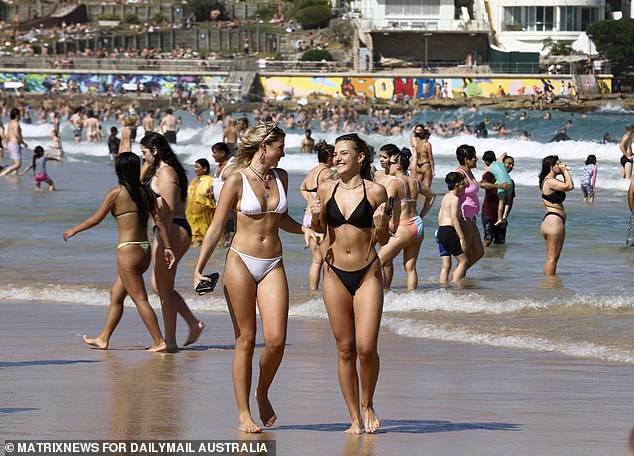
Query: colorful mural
{"type": "Point", "coordinates": [392, 88]}
{"type": "Point", "coordinates": [102, 83]}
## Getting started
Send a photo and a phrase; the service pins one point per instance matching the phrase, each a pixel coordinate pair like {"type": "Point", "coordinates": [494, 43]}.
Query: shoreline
{"type": "Point", "coordinates": [447, 397]}
{"type": "Point", "coordinates": [508, 102]}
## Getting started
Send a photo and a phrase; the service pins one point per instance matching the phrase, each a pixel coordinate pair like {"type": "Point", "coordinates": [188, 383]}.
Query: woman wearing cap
{"type": "Point", "coordinates": [407, 223]}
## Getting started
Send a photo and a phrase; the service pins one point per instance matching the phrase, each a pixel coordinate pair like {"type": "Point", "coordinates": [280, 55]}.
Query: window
{"type": "Point", "coordinates": [512, 19]}
{"type": "Point", "coordinates": [539, 18]}
{"type": "Point", "coordinates": [412, 8]}
{"type": "Point", "coordinates": [569, 21]}
{"type": "Point", "coordinates": [588, 16]}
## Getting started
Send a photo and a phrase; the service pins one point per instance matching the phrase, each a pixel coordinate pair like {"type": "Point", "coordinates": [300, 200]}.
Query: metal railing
{"type": "Point", "coordinates": [78, 64]}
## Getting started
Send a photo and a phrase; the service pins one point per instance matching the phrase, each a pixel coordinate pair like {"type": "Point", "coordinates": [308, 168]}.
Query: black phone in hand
{"type": "Point", "coordinates": [207, 286]}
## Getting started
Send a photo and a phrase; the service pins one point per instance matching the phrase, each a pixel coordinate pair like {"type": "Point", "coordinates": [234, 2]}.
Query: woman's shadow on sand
{"type": "Point", "coordinates": [407, 427]}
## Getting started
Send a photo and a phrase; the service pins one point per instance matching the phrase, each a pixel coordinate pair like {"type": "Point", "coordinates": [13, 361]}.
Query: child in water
{"type": "Point", "coordinates": [505, 195]}
{"type": "Point", "coordinates": [449, 235]}
{"type": "Point", "coordinates": [39, 169]}
{"type": "Point", "coordinates": [589, 179]}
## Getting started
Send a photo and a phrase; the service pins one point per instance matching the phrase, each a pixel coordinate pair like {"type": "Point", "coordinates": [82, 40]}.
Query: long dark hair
{"type": "Point", "coordinates": [402, 156]}
{"type": "Point", "coordinates": [361, 146]}
{"type": "Point", "coordinates": [547, 163]}
{"type": "Point", "coordinates": [128, 168]}
{"type": "Point", "coordinates": [154, 140]}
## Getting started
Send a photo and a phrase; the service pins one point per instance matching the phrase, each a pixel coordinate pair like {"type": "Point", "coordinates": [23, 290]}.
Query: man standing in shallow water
{"type": "Point", "coordinates": [626, 150]}
{"type": "Point", "coordinates": [15, 141]}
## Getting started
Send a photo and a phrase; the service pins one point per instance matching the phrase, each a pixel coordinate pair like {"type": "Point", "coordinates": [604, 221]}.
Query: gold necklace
{"type": "Point", "coordinates": [265, 180]}
{"type": "Point", "coordinates": [353, 187]}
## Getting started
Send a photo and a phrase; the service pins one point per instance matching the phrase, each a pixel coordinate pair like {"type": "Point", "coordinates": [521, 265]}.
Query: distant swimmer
{"type": "Point", "coordinates": [561, 136]}
{"type": "Point", "coordinates": [423, 167]}
{"type": "Point", "coordinates": [626, 150]}
{"type": "Point", "coordinates": [169, 126]}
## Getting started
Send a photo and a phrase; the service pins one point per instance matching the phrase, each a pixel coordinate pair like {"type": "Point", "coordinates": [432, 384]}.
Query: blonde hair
{"type": "Point", "coordinates": [129, 121]}
{"type": "Point", "coordinates": [266, 132]}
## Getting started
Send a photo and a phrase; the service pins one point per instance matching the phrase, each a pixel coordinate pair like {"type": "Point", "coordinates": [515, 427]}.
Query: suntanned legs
{"type": "Point", "coordinates": [355, 324]}
{"type": "Point", "coordinates": [554, 233]}
{"type": "Point", "coordinates": [411, 248]}
{"type": "Point", "coordinates": [132, 262]}
{"type": "Point", "coordinates": [410, 256]}
{"type": "Point", "coordinates": [475, 248]}
{"type": "Point", "coordinates": [272, 296]}
{"type": "Point", "coordinates": [163, 282]}
{"type": "Point", "coordinates": [318, 252]}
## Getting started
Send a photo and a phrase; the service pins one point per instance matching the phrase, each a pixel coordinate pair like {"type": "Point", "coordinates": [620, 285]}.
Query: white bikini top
{"type": "Point", "coordinates": [249, 205]}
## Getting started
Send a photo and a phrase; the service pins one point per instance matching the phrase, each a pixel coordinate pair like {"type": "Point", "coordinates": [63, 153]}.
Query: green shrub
{"type": "Point", "coordinates": [316, 55]}
{"type": "Point", "coordinates": [109, 17]}
{"type": "Point", "coordinates": [314, 16]}
{"type": "Point", "coordinates": [342, 31]}
{"type": "Point", "coordinates": [158, 18]}
{"type": "Point", "coordinates": [131, 18]}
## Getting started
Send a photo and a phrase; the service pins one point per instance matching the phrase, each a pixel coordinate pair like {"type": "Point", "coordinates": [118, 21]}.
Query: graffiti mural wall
{"type": "Point", "coordinates": [102, 83]}
{"type": "Point", "coordinates": [278, 87]}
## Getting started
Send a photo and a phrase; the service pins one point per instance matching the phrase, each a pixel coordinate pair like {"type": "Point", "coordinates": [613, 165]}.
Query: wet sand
{"type": "Point", "coordinates": [433, 397]}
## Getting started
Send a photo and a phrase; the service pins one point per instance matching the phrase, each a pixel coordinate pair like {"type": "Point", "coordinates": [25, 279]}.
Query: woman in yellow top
{"type": "Point", "coordinates": [200, 201]}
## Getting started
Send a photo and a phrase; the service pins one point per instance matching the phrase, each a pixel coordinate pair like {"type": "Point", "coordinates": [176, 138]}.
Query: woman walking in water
{"type": "Point", "coordinates": [254, 270]}
{"type": "Point", "coordinates": [408, 225]}
{"type": "Point", "coordinates": [315, 177]}
{"type": "Point", "coordinates": [168, 182]}
{"type": "Point", "coordinates": [553, 196]}
{"type": "Point", "coordinates": [130, 205]}
{"type": "Point", "coordinates": [470, 204]}
{"type": "Point", "coordinates": [353, 214]}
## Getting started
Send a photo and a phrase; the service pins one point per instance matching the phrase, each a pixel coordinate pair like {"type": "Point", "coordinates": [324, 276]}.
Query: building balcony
{"type": "Point", "coordinates": [422, 24]}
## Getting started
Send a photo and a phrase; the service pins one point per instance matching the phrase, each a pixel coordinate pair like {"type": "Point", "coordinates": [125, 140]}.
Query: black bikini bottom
{"type": "Point", "coordinates": [556, 214]}
{"type": "Point", "coordinates": [351, 279]}
{"type": "Point", "coordinates": [180, 222]}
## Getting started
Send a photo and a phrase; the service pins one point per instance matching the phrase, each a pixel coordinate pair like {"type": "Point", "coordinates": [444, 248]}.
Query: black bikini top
{"type": "Point", "coordinates": [557, 197]}
{"type": "Point", "coordinates": [361, 217]}
{"type": "Point", "coordinates": [314, 190]}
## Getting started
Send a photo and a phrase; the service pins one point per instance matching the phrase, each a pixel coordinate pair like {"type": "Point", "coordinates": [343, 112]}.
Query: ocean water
{"type": "Point", "coordinates": [587, 311]}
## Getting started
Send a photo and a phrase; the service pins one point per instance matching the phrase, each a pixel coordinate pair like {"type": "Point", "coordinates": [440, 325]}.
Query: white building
{"type": "Point", "coordinates": [522, 25]}
{"type": "Point", "coordinates": [511, 25]}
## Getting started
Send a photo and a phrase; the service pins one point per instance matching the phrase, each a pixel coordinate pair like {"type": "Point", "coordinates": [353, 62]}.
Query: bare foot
{"type": "Point", "coordinates": [171, 348]}
{"type": "Point", "coordinates": [248, 425]}
{"type": "Point", "coordinates": [97, 342]}
{"type": "Point", "coordinates": [162, 347]}
{"type": "Point", "coordinates": [267, 414]}
{"type": "Point", "coordinates": [371, 421]}
{"type": "Point", "coordinates": [194, 333]}
{"type": "Point", "coordinates": [355, 428]}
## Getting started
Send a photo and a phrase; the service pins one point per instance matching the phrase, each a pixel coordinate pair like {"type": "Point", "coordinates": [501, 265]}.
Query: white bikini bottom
{"type": "Point", "coordinates": [258, 267]}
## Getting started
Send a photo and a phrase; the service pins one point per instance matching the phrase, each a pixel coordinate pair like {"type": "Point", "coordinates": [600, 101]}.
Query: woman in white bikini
{"type": "Point", "coordinates": [254, 271]}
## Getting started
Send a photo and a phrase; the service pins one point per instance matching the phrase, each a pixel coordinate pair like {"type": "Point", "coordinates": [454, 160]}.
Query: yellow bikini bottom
{"type": "Point", "coordinates": [145, 245]}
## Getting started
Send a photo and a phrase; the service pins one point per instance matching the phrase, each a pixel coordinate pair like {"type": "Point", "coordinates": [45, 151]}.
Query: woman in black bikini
{"type": "Point", "coordinates": [168, 181]}
{"type": "Point", "coordinates": [315, 177]}
{"type": "Point", "coordinates": [553, 196]}
{"type": "Point", "coordinates": [353, 213]}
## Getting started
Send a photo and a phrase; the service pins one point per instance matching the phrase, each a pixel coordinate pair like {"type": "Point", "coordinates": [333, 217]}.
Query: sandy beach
{"type": "Point", "coordinates": [432, 397]}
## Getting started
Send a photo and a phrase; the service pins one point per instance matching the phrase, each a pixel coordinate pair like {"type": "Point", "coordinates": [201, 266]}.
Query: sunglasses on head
{"type": "Point", "coordinates": [271, 130]}
{"type": "Point", "coordinates": [348, 137]}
